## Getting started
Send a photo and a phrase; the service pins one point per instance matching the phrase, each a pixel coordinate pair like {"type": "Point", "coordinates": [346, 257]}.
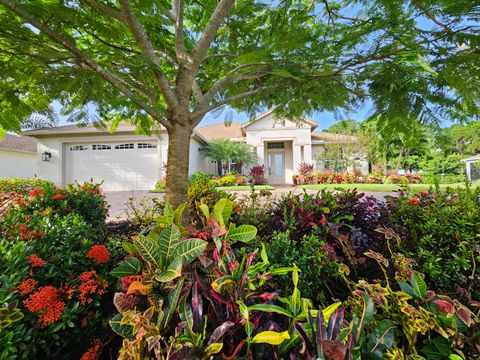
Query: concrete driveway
{"type": "Point", "coordinates": [118, 199]}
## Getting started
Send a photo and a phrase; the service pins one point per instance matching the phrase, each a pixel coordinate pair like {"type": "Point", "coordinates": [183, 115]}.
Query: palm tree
{"type": "Point", "coordinates": [226, 153]}
{"type": "Point", "coordinates": [243, 154]}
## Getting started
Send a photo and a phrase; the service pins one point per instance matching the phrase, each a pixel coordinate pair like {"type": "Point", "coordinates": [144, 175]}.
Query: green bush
{"type": "Point", "coordinates": [311, 255]}
{"type": "Point", "coordinates": [440, 164]}
{"type": "Point", "coordinates": [54, 266]}
{"type": "Point", "coordinates": [199, 176]}
{"type": "Point", "coordinates": [429, 178]}
{"type": "Point", "coordinates": [227, 180]}
{"type": "Point", "coordinates": [441, 232]}
{"type": "Point", "coordinates": [203, 192]}
{"type": "Point", "coordinates": [21, 185]}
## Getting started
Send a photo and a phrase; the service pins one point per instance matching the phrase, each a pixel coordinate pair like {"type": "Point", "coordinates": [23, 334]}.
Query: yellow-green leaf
{"type": "Point", "coordinates": [271, 337]}
{"type": "Point", "coordinates": [212, 349]}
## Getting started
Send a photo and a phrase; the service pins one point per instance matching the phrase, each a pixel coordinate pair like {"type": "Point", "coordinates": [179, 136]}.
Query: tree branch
{"type": "Point", "coordinates": [197, 91]}
{"type": "Point", "coordinates": [177, 11]}
{"type": "Point", "coordinates": [147, 49]}
{"type": "Point", "coordinates": [216, 105]}
{"type": "Point", "coordinates": [217, 86]}
{"type": "Point", "coordinates": [210, 31]}
{"type": "Point", "coordinates": [105, 9]}
{"type": "Point", "coordinates": [70, 46]}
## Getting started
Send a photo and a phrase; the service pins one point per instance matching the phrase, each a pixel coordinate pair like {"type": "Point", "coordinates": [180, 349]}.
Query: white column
{"type": "Point", "coordinates": [261, 154]}
{"type": "Point", "coordinates": [297, 157]}
{"type": "Point", "coordinates": [307, 154]}
{"type": "Point", "coordinates": [468, 165]}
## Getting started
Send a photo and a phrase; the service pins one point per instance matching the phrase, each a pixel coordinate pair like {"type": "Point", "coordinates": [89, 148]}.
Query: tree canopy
{"type": "Point", "coordinates": [169, 62]}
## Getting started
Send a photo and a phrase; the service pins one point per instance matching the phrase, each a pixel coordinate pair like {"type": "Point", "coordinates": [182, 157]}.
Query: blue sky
{"type": "Point", "coordinates": [323, 118]}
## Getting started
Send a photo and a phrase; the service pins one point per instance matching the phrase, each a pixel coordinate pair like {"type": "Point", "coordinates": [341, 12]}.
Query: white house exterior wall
{"type": "Point", "coordinates": [297, 139]}
{"type": "Point", "coordinates": [17, 164]}
{"type": "Point", "coordinates": [55, 169]}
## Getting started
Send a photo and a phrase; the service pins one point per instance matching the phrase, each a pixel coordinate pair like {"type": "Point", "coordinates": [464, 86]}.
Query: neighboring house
{"type": "Point", "coordinates": [281, 145]}
{"type": "Point", "coordinates": [18, 156]}
{"type": "Point", "coordinates": [472, 167]}
{"type": "Point", "coordinates": [125, 160]}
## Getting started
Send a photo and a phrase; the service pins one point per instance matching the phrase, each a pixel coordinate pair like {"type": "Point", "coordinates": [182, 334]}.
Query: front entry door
{"type": "Point", "coordinates": [276, 168]}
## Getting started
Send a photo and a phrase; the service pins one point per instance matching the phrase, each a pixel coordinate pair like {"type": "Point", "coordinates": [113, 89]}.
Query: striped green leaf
{"type": "Point", "coordinates": [243, 233]}
{"type": "Point", "coordinates": [131, 266]}
{"type": "Point", "coordinates": [149, 250]}
{"type": "Point", "coordinates": [189, 249]}
{"type": "Point", "coordinates": [173, 271]}
{"type": "Point", "coordinates": [222, 211]}
{"type": "Point", "coordinates": [168, 241]}
{"type": "Point", "coordinates": [122, 328]}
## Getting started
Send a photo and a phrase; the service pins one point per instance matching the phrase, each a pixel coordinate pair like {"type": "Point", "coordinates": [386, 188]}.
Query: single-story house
{"type": "Point", "coordinates": [18, 156]}
{"type": "Point", "coordinates": [282, 144]}
{"type": "Point", "coordinates": [126, 160]}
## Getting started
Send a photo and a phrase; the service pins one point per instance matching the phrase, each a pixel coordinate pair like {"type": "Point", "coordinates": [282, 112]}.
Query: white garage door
{"type": "Point", "coordinates": [121, 166]}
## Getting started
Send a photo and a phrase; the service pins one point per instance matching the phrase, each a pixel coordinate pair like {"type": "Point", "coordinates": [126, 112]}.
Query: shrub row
{"type": "Point", "coordinates": [54, 265]}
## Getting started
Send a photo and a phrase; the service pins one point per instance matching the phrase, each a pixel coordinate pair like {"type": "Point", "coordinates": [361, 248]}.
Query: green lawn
{"type": "Point", "coordinates": [381, 187]}
{"type": "Point", "coordinates": [244, 187]}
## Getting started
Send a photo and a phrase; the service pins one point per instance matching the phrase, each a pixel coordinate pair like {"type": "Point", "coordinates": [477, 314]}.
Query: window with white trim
{"type": "Point", "coordinates": [101, 147]}
{"type": "Point", "coordinates": [147, 146]}
{"type": "Point", "coordinates": [78, 148]}
{"type": "Point", "coordinates": [124, 146]}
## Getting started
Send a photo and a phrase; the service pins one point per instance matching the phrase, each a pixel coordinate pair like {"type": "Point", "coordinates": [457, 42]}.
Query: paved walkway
{"type": "Point", "coordinates": [118, 199]}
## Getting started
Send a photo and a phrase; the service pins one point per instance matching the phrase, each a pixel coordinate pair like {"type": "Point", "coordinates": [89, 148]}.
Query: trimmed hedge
{"type": "Point", "coordinates": [21, 185]}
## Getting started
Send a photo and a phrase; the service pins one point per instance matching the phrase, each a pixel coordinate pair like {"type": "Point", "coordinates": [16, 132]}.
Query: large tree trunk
{"type": "Point", "coordinates": [177, 164]}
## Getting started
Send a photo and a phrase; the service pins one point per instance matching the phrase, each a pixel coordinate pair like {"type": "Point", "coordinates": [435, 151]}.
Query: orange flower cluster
{"type": "Point", "coordinates": [99, 253]}
{"type": "Point", "coordinates": [26, 234]}
{"type": "Point", "coordinates": [26, 286]}
{"type": "Point", "coordinates": [90, 284]}
{"type": "Point", "coordinates": [36, 261]}
{"type": "Point", "coordinates": [48, 300]}
{"type": "Point", "coordinates": [94, 352]}
{"type": "Point", "coordinates": [58, 197]}
{"type": "Point", "coordinates": [414, 201]}
{"type": "Point", "coordinates": [34, 193]}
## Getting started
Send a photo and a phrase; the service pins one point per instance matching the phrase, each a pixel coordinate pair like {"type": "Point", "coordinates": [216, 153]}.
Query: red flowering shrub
{"type": "Point", "coordinates": [58, 197]}
{"type": "Point", "coordinates": [36, 261]}
{"type": "Point", "coordinates": [58, 237]}
{"type": "Point", "coordinates": [48, 300]}
{"type": "Point", "coordinates": [99, 253]}
{"type": "Point", "coordinates": [26, 286]}
{"type": "Point", "coordinates": [90, 285]}
{"type": "Point", "coordinates": [93, 352]}
{"type": "Point", "coordinates": [414, 201]}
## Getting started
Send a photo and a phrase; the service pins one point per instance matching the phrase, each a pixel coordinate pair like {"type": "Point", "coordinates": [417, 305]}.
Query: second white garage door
{"type": "Point", "coordinates": [121, 166]}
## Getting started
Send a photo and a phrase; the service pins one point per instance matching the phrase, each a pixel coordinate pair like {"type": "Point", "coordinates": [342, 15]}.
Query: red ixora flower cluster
{"type": "Point", "coordinates": [90, 284]}
{"type": "Point", "coordinates": [94, 352]}
{"type": "Point", "coordinates": [36, 261]}
{"type": "Point", "coordinates": [34, 193]}
{"type": "Point", "coordinates": [26, 286]}
{"type": "Point", "coordinates": [25, 233]}
{"type": "Point", "coordinates": [47, 299]}
{"type": "Point", "coordinates": [99, 253]}
{"type": "Point", "coordinates": [414, 201]}
{"type": "Point", "coordinates": [58, 197]}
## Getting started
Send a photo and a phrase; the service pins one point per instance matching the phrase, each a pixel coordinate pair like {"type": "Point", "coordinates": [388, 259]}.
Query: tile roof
{"type": "Point", "coordinates": [18, 143]}
{"type": "Point", "coordinates": [90, 128]}
{"type": "Point", "coordinates": [326, 136]}
{"type": "Point", "coordinates": [232, 131]}
{"type": "Point", "coordinates": [75, 128]}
